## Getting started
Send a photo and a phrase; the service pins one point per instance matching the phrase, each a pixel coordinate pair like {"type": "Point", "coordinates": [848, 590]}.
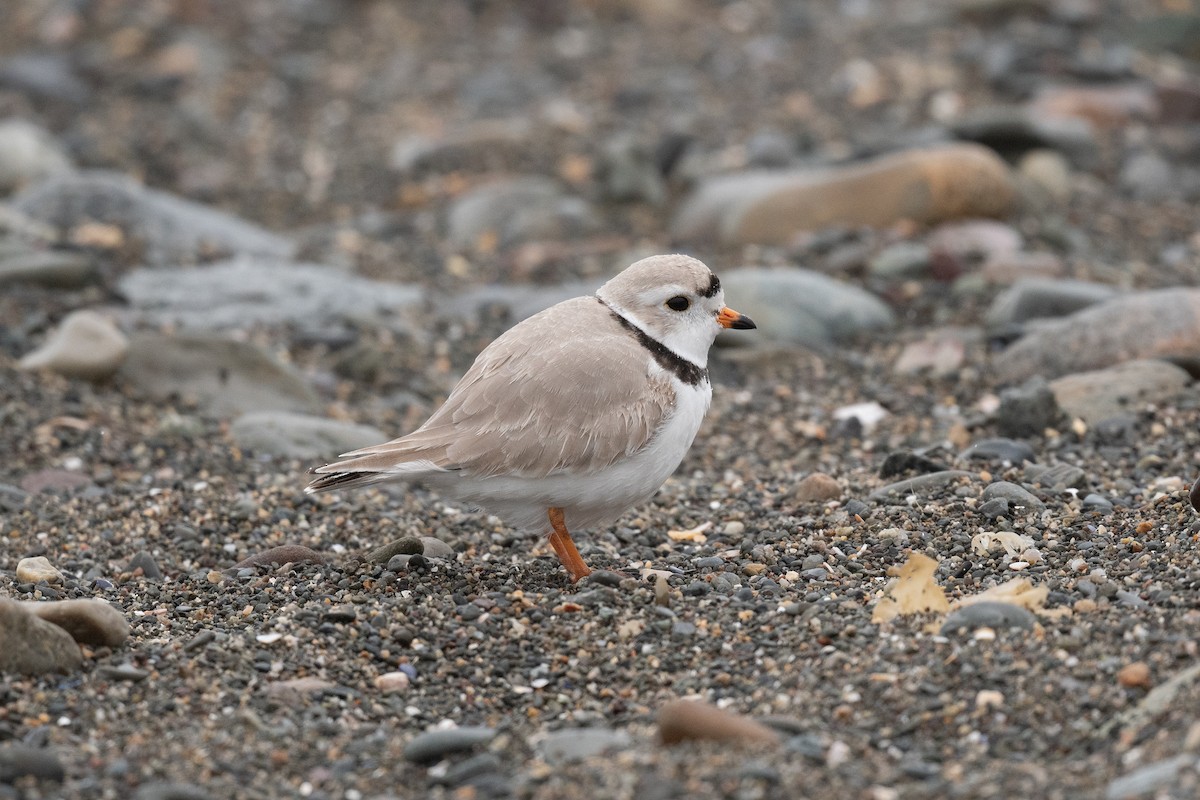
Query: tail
{"type": "Point", "coordinates": [368, 469]}
{"type": "Point", "coordinates": [333, 481]}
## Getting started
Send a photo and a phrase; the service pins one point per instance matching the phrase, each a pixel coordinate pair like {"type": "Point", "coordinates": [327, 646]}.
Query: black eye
{"type": "Point", "coordinates": [678, 303]}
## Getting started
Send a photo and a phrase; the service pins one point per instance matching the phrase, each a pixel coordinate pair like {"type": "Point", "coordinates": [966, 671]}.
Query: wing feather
{"type": "Point", "coordinates": [568, 389]}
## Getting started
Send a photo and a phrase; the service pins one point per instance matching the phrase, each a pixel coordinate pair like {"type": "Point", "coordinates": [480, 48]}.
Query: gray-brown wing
{"type": "Point", "coordinates": [568, 389]}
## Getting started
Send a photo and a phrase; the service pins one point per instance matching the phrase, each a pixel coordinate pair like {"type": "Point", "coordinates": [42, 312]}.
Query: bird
{"type": "Point", "coordinates": [572, 416]}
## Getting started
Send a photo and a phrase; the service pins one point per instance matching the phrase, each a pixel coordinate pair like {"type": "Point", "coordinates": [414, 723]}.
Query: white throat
{"type": "Point", "coordinates": [690, 345]}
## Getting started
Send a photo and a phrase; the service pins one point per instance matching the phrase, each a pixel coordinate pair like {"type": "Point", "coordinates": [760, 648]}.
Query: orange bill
{"type": "Point", "coordinates": [728, 318]}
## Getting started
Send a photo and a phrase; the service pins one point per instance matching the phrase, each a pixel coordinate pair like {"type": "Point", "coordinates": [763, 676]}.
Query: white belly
{"type": "Point", "coordinates": [598, 498]}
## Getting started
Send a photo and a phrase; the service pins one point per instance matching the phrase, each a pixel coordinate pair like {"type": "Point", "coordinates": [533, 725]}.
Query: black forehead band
{"type": "Point", "coordinates": [714, 286]}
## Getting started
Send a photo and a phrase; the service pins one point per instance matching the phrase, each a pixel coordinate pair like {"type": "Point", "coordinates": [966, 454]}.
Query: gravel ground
{"type": "Point", "coordinates": [358, 131]}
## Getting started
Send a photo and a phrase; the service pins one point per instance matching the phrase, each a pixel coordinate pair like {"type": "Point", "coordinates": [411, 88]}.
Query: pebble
{"type": "Point", "coordinates": [989, 614]}
{"type": "Point", "coordinates": [288, 434]}
{"type": "Point", "coordinates": [86, 345]}
{"type": "Point", "coordinates": [1148, 177]}
{"type": "Point", "coordinates": [1027, 410]}
{"type": "Point", "coordinates": [283, 554]}
{"type": "Point", "coordinates": [170, 229]}
{"type": "Point", "coordinates": [298, 691]}
{"type": "Point", "coordinates": [691, 720]}
{"type": "Point", "coordinates": [1150, 324]}
{"type": "Point", "coordinates": [999, 451]}
{"type": "Point", "coordinates": [1059, 477]}
{"type": "Point", "coordinates": [1012, 494]}
{"type": "Point", "coordinates": [30, 646]}
{"type": "Point", "coordinates": [55, 269]}
{"type": "Point", "coordinates": [1039, 298]}
{"type": "Point", "coordinates": [919, 485]}
{"type": "Point", "coordinates": [1149, 780]}
{"type": "Point", "coordinates": [515, 210]}
{"type": "Point", "coordinates": [1098, 503]}
{"type": "Point", "coordinates": [994, 508]}
{"type": "Point", "coordinates": [576, 744]}
{"type": "Point", "coordinates": [163, 790]}
{"type": "Point", "coordinates": [773, 208]}
{"type": "Point", "coordinates": [144, 561]}
{"type": "Point", "coordinates": [28, 154]}
{"type": "Point", "coordinates": [409, 545]}
{"type": "Point", "coordinates": [121, 672]}
{"type": "Point", "coordinates": [975, 240]}
{"type": "Point", "coordinates": [436, 548]}
{"type": "Point", "coordinates": [817, 488]}
{"type": "Point", "coordinates": [803, 307]}
{"type": "Point", "coordinates": [38, 569]}
{"type": "Point", "coordinates": [901, 261]}
{"type": "Point", "coordinates": [392, 683]}
{"type": "Point", "coordinates": [248, 291]}
{"type": "Point", "coordinates": [1017, 129]}
{"type": "Point", "coordinates": [88, 621]}
{"type": "Point", "coordinates": [436, 744]}
{"type": "Point", "coordinates": [1134, 675]}
{"type": "Point", "coordinates": [939, 352]}
{"type": "Point", "coordinates": [1099, 395]}
{"type": "Point", "coordinates": [225, 377]}
{"type": "Point", "coordinates": [23, 761]}
{"type": "Point", "coordinates": [1049, 172]}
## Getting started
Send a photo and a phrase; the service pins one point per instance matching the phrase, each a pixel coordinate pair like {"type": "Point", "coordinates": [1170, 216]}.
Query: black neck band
{"type": "Point", "coordinates": [690, 373]}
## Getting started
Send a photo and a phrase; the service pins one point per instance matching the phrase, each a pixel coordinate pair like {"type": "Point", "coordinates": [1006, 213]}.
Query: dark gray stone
{"type": "Point", "coordinates": [576, 744]}
{"type": "Point", "coordinates": [1027, 410]}
{"type": "Point", "coordinates": [22, 761]}
{"type": "Point", "coordinates": [1016, 496]}
{"type": "Point", "coordinates": [989, 614]}
{"type": "Point", "coordinates": [434, 745]}
{"type": "Point", "coordinates": [144, 561]}
{"type": "Point", "coordinates": [920, 485]}
{"type": "Point", "coordinates": [998, 451]}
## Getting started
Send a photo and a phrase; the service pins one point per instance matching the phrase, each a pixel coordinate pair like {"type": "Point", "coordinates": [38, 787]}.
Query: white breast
{"type": "Point", "coordinates": [600, 497]}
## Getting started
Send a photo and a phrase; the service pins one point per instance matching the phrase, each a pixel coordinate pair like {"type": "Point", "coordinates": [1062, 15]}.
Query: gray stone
{"type": "Point", "coordinates": [28, 153]}
{"type": "Point", "coordinates": [56, 269]}
{"type": "Point", "coordinates": [408, 546]}
{"type": "Point", "coordinates": [1037, 298]}
{"type": "Point", "coordinates": [516, 210]}
{"type": "Point", "coordinates": [628, 172]}
{"type": "Point", "coordinates": [1150, 779]}
{"type": "Point", "coordinates": [434, 745]}
{"type": "Point", "coordinates": [87, 621]}
{"type": "Point", "coordinates": [1017, 129]}
{"type": "Point", "coordinates": [163, 790]}
{"type": "Point", "coordinates": [1098, 395]}
{"type": "Point", "coordinates": [1061, 476]}
{"type": "Point", "coordinates": [86, 345]}
{"type": "Point", "coordinates": [921, 485]}
{"type": "Point", "coordinates": [1027, 410]}
{"type": "Point", "coordinates": [283, 554]}
{"type": "Point", "coordinates": [224, 377]}
{"type": "Point", "coordinates": [1148, 176]}
{"type": "Point", "coordinates": [254, 291]}
{"type": "Point", "coordinates": [291, 435]}
{"type": "Point", "coordinates": [576, 744]}
{"type": "Point", "coordinates": [1163, 323]}
{"type": "Point", "coordinates": [24, 761]}
{"type": "Point", "coordinates": [989, 614]}
{"type": "Point", "coordinates": [900, 261]}
{"type": "Point", "coordinates": [171, 229]}
{"type": "Point", "coordinates": [1013, 495]}
{"type": "Point", "coordinates": [1001, 451]}
{"type": "Point", "coordinates": [31, 646]}
{"type": "Point", "coordinates": [1098, 503]}
{"type": "Point", "coordinates": [144, 561]}
{"type": "Point", "coordinates": [803, 307]}
{"type": "Point", "coordinates": [436, 548]}
{"type": "Point", "coordinates": [45, 76]}
{"type": "Point", "coordinates": [995, 507]}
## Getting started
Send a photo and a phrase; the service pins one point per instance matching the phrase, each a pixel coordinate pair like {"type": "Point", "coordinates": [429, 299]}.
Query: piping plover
{"type": "Point", "coordinates": [574, 415]}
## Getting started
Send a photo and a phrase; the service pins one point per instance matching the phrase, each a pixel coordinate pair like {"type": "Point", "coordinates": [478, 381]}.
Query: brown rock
{"type": "Point", "coordinates": [925, 186]}
{"type": "Point", "coordinates": [1135, 675]}
{"type": "Point", "coordinates": [684, 720]}
{"type": "Point", "coordinates": [284, 554]}
{"type": "Point", "coordinates": [30, 646]}
{"type": "Point", "coordinates": [817, 488]}
{"type": "Point", "coordinates": [93, 622]}
{"type": "Point", "coordinates": [1164, 323]}
{"type": "Point", "coordinates": [1104, 106]}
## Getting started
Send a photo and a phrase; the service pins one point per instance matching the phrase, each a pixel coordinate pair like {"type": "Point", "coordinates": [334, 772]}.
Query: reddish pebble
{"type": "Point", "coordinates": [284, 554]}
{"type": "Point", "coordinates": [683, 720]}
{"type": "Point", "coordinates": [1134, 675]}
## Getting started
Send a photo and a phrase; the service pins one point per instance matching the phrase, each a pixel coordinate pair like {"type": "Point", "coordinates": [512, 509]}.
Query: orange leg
{"type": "Point", "coordinates": [564, 548]}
